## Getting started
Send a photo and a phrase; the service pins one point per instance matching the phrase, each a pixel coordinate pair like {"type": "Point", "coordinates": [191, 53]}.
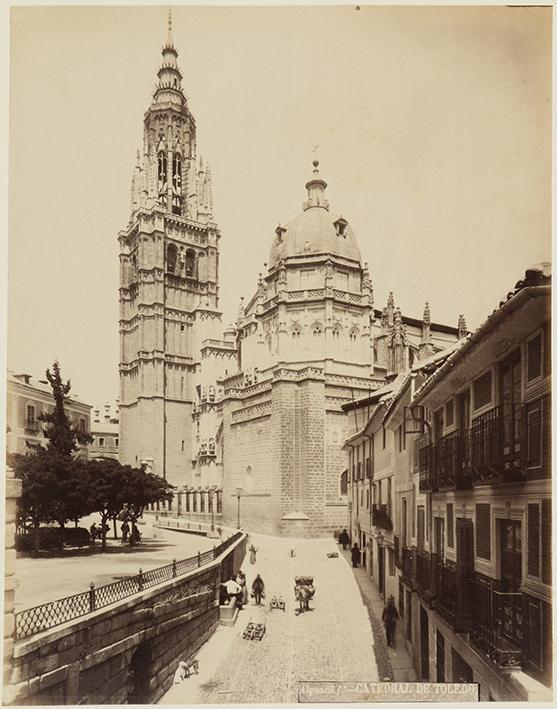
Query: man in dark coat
{"type": "Point", "coordinates": [258, 588]}
{"type": "Point", "coordinates": [389, 618]}
{"type": "Point", "coordinates": [344, 539]}
{"type": "Point", "coordinates": [356, 556]}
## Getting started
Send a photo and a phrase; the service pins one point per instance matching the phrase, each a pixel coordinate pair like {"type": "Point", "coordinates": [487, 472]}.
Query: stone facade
{"type": "Point", "coordinates": [309, 341]}
{"type": "Point", "coordinates": [26, 399]}
{"type": "Point", "coordinates": [13, 492]}
{"type": "Point", "coordinates": [169, 261]}
{"type": "Point", "coordinates": [256, 409]}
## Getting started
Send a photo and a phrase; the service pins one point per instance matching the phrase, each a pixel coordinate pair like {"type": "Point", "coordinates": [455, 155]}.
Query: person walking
{"type": "Point", "coordinates": [344, 539]}
{"type": "Point", "coordinates": [389, 618]}
{"type": "Point", "coordinates": [356, 556]}
{"type": "Point", "coordinates": [93, 532]}
{"type": "Point", "coordinates": [258, 589]}
{"type": "Point", "coordinates": [252, 554]}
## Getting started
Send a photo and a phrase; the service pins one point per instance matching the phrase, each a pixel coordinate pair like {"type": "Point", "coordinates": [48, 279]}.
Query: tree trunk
{"type": "Point", "coordinates": [36, 541]}
{"type": "Point", "coordinates": [114, 526]}
{"type": "Point", "coordinates": [103, 532]}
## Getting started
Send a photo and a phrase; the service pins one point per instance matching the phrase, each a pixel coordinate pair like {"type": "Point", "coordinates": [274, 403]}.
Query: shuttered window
{"type": "Point", "coordinates": [534, 358]}
{"type": "Point", "coordinates": [546, 541]}
{"type": "Point", "coordinates": [534, 540]}
{"type": "Point", "coordinates": [483, 531]}
{"type": "Point", "coordinates": [450, 525]}
{"type": "Point", "coordinates": [482, 390]}
{"type": "Point", "coordinates": [534, 435]}
{"type": "Point", "coordinates": [421, 526]}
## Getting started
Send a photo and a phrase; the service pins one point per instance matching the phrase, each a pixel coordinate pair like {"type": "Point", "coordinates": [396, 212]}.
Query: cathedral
{"type": "Point", "coordinates": [248, 416]}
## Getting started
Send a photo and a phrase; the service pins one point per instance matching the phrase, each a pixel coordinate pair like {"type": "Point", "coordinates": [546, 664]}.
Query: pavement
{"type": "Point", "coordinates": [394, 663]}
{"type": "Point", "coordinates": [332, 642]}
{"type": "Point", "coordinates": [55, 576]}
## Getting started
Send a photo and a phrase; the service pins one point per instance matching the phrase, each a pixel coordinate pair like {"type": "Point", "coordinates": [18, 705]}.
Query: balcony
{"type": "Point", "coordinates": [497, 616]}
{"type": "Point", "coordinates": [380, 518]}
{"type": "Point", "coordinates": [445, 465]}
{"type": "Point", "coordinates": [494, 449]}
{"type": "Point", "coordinates": [497, 444]}
{"type": "Point", "coordinates": [424, 575]}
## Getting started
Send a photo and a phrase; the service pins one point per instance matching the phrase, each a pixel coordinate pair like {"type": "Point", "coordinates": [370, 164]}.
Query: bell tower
{"type": "Point", "coordinates": [168, 283]}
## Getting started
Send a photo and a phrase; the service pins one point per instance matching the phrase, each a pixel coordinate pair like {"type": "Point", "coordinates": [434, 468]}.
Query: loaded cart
{"type": "Point", "coordinates": [303, 592]}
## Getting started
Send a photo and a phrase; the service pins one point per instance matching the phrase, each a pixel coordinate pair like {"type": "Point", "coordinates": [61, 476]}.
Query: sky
{"type": "Point", "coordinates": [433, 133]}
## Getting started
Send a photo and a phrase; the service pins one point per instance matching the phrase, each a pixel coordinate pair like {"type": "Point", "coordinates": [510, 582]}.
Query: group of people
{"type": "Point", "coordinates": [236, 588]}
{"type": "Point", "coordinates": [131, 536]}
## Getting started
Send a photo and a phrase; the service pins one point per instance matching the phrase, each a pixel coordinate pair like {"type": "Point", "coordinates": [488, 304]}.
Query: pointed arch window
{"type": "Point", "coordinates": [176, 183]}
{"type": "Point", "coordinates": [317, 331]}
{"type": "Point", "coordinates": [335, 337]}
{"type": "Point", "coordinates": [162, 167]}
{"type": "Point", "coordinates": [190, 263]}
{"type": "Point", "coordinates": [353, 336]}
{"type": "Point", "coordinates": [171, 257]}
{"type": "Point", "coordinates": [296, 338]}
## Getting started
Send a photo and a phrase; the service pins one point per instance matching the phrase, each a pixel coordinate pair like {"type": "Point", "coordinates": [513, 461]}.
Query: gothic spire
{"type": "Point", "coordinates": [169, 74]}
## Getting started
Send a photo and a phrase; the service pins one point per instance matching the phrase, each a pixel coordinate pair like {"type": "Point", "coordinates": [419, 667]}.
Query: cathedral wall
{"type": "Point", "coordinates": [178, 443]}
{"type": "Point", "coordinates": [250, 464]}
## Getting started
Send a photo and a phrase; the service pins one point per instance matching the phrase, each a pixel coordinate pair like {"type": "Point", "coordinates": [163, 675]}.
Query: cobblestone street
{"type": "Point", "coordinates": [332, 642]}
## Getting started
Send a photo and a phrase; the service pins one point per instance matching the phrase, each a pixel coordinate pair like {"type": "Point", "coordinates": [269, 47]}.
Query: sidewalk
{"type": "Point", "coordinates": [394, 664]}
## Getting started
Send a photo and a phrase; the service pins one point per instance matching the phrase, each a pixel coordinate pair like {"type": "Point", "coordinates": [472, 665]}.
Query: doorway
{"type": "Point", "coordinates": [381, 563]}
{"type": "Point", "coordinates": [140, 675]}
{"type": "Point", "coordinates": [511, 579]}
{"type": "Point", "coordinates": [424, 644]}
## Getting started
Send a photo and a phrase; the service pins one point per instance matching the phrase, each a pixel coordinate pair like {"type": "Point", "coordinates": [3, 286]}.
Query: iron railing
{"type": "Point", "coordinates": [497, 618]}
{"type": "Point", "coordinates": [380, 517]}
{"type": "Point", "coordinates": [48, 615]}
{"type": "Point", "coordinates": [446, 596]}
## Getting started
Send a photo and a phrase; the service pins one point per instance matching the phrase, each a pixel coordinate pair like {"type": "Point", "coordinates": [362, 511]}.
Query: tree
{"type": "Point", "coordinates": [63, 436]}
{"type": "Point", "coordinates": [53, 489]}
{"type": "Point", "coordinates": [113, 487]}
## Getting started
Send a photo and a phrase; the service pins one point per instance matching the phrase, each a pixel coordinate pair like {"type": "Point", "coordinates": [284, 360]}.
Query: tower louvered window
{"type": "Point", "coordinates": [162, 176]}
{"type": "Point", "coordinates": [176, 184]}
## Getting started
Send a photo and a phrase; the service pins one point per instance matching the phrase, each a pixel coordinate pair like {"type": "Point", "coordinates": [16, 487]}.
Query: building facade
{"type": "Point", "coordinates": [248, 418]}
{"type": "Point", "coordinates": [26, 399]}
{"type": "Point", "coordinates": [469, 431]}
{"type": "Point", "coordinates": [309, 340]}
{"type": "Point", "coordinates": [105, 430]}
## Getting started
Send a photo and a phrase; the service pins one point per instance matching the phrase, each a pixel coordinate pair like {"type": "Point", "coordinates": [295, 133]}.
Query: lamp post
{"type": "Point", "coordinates": [211, 502]}
{"type": "Point", "coordinates": [239, 492]}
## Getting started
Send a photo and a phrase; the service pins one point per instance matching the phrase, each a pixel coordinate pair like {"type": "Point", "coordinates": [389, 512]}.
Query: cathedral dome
{"type": "Point", "coordinates": [315, 230]}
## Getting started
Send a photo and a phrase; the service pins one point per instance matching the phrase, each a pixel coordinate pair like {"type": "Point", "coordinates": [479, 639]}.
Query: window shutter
{"type": "Point", "coordinates": [421, 526]}
{"type": "Point", "coordinates": [483, 531]}
{"type": "Point", "coordinates": [546, 541]}
{"type": "Point", "coordinates": [450, 525]}
{"type": "Point", "coordinates": [534, 434]}
{"type": "Point", "coordinates": [534, 540]}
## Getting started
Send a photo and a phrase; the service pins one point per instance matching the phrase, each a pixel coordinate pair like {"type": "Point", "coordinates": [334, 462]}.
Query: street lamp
{"type": "Point", "coordinates": [239, 493]}
{"type": "Point", "coordinates": [212, 504]}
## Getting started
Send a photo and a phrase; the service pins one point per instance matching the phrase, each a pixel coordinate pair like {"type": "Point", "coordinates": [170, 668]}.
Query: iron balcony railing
{"type": "Point", "coordinates": [380, 517]}
{"type": "Point", "coordinates": [48, 615]}
{"type": "Point", "coordinates": [494, 448]}
{"type": "Point", "coordinates": [445, 465]}
{"type": "Point", "coordinates": [496, 621]}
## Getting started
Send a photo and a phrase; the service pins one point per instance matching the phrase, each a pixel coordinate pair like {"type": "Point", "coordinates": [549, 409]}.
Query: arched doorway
{"type": "Point", "coordinates": [140, 675]}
